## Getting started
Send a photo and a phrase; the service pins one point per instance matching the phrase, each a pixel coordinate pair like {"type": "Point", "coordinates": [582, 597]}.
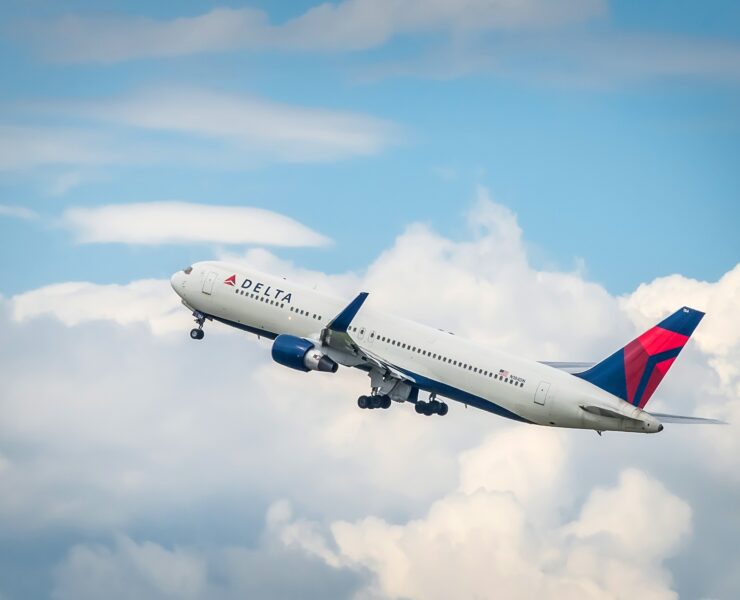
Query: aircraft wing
{"type": "Point", "coordinates": [569, 367]}
{"type": "Point", "coordinates": [664, 418]}
{"type": "Point", "coordinates": [336, 335]}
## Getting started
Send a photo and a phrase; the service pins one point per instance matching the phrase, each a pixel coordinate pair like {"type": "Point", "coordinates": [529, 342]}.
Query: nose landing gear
{"type": "Point", "coordinates": [197, 333]}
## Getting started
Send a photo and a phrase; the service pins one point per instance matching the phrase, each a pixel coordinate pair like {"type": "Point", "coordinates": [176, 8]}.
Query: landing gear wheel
{"type": "Point", "coordinates": [433, 407]}
{"type": "Point", "coordinates": [362, 401]}
{"type": "Point", "coordinates": [386, 402]}
{"type": "Point", "coordinates": [197, 333]}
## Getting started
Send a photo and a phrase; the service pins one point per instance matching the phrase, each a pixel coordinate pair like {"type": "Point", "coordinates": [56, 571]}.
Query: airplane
{"type": "Point", "coordinates": [312, 331]}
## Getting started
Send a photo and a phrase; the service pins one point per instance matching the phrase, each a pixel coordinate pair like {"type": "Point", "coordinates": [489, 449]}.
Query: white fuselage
{"type": "Point", "coordinates": [439, 362]}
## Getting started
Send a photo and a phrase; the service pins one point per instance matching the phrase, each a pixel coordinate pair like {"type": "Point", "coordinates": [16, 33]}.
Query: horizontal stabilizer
{"type": "Point", "coordinates": [569, 367]}
{"type": "Point", "coordinates": [663, 418]}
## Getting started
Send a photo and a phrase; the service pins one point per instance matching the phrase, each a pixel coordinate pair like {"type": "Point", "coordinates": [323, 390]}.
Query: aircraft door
{"type": "Point", "coordinates": [541, 394]}
{"type": "Point", "coordinates": [208, 282]}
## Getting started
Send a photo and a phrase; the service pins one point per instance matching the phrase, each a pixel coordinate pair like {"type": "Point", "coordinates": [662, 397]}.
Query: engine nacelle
{"type": "Point", "coordinates": [301, 354]}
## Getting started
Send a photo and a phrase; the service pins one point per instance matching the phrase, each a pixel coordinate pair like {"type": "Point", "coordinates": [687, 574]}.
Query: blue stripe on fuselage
{"type": "Point", "coordinates": [255, 330]}
{"type": "Point", "coordinates": [448, 391]}
{"type": "Point", "coordinates": [425, 383]}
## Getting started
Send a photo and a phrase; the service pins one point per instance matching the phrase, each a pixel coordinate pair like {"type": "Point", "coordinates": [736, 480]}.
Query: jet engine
{"type": "Point", "coordinates": [301, 354]}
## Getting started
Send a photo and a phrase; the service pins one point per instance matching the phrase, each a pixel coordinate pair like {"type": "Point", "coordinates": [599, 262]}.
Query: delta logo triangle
{"type": "Point", "coordinates": [231, 281]}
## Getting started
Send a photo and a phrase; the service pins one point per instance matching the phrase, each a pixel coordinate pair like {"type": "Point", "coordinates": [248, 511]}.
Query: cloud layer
{"type": "Point", "coordinates": [498, 531]}
{"type": "Point", "coordinates": [186, 126]}
{"type": "Point", "coordinates": [348, 25]}
{"type": "Point", "coordinates": [515, 39]}
{"type": "Point", "coordinates": [17, 212]}
{"type": "Point", "coordinates": [183, 222]}
{"type": "Point", "coordinates": [169, 461]}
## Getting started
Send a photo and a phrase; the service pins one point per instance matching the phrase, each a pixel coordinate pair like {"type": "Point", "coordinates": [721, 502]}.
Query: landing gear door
{"type": "Point", "coordinates": [541, 394]}
{"type": "Point", "coordinates": [208, 283]}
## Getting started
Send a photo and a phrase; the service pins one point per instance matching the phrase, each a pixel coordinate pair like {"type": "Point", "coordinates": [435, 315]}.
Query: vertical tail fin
{"type": "Point", "coordinates": [633, 372]}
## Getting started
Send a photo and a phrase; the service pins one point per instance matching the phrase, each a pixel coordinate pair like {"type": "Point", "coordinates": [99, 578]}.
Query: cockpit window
{"type": "Point", "coordinates": [188, 271]}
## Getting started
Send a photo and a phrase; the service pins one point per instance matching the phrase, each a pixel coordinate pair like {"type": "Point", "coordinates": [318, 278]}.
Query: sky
{"type": "Point", "coordinates": [547, 177]}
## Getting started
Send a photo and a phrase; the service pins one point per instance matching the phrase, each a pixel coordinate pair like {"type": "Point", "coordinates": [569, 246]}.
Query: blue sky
{"type": "Point", "coordinates": [627, 167]}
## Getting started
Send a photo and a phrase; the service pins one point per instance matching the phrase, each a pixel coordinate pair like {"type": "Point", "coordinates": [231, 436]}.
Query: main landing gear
{"type": "Point", "coordinates": [374, 401]}
{"type": "Point", "coordinates": [197, 333]}
{"type": "Point", "coordinates": [433, 407]}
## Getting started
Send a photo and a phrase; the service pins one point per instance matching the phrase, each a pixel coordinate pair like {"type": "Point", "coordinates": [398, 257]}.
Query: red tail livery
{"type": "Point", "coordinates": [634, 372]}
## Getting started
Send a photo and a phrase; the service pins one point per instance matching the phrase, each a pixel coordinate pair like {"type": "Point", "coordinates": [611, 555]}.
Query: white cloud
{"type": "Point", "coordinates": [24, 147]}
{"type": "Point", "coordinates": [125, 569]}
{"type": "Point", "coordinates": [129, 570]}
{"type": "Point", "coordinates": [492, 534]}
{"type": "Point", "coordinates": [146, 301]}
{"type": "Point", "coordinates": [251, 124]}
{"type": "Point", "coordinates": [348, 25]}
{"type": "Point", "coordinates": [183, 222]}
{"type": "Point", "coordinates": [18, 212]}
{"type": "Point", "coordinates": [186, 126]}
{"type": "Point", "coordinates": [108, 428]}
{"type": "Point", "coordinates": [580, 59]}
{"type": "Point", "coordinates": [534, 32]}
{"type": "Point", "coordinates": [67, 181]}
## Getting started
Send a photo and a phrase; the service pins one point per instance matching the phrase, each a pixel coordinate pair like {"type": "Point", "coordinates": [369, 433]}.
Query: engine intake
{"type": "Point", "coordinates": [301, 354]}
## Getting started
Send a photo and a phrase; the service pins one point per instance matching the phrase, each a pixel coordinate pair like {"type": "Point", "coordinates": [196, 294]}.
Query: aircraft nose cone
{"type": "Point", "coordinates": [177, 281]}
